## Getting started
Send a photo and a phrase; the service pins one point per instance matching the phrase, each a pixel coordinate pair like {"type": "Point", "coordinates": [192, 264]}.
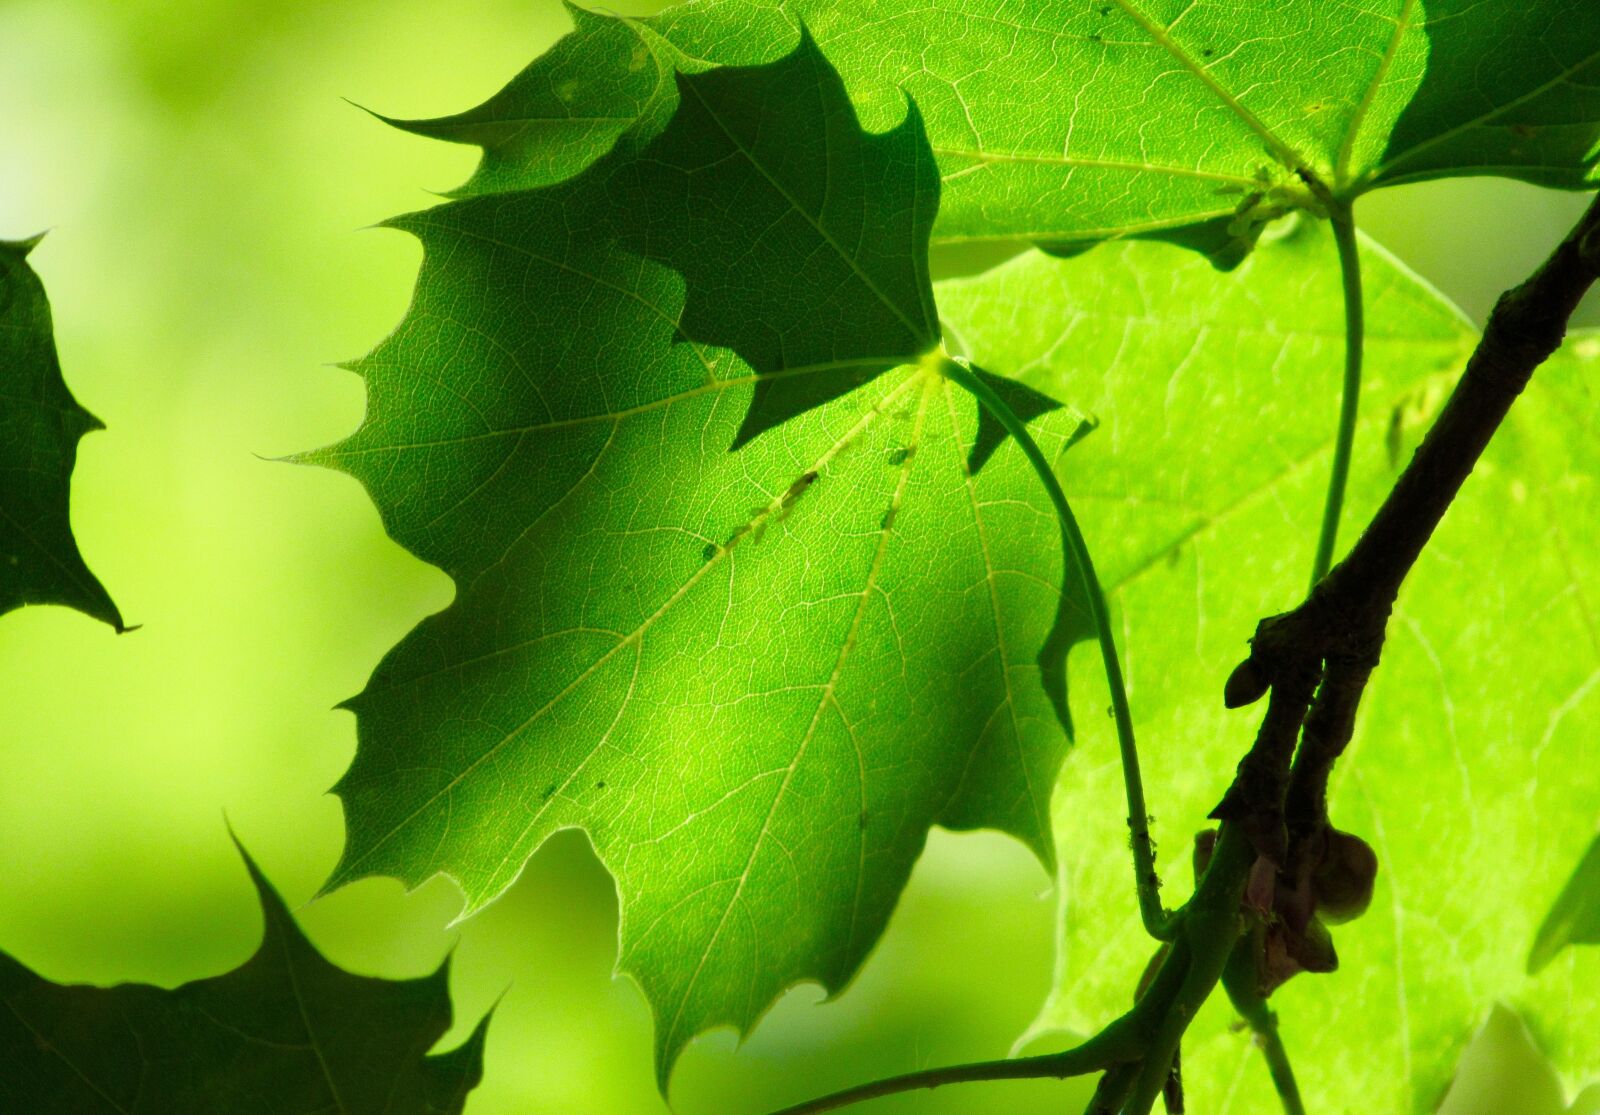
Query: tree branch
{"type": "Point", "coordinates": [1526, 327]}
{"type": "Point", "coordinates": [1112, 1091]}
{"type": "Point", "coordinates": [1338, 631]}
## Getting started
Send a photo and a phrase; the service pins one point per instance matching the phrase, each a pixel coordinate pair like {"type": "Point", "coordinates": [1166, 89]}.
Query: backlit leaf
{"type": "Point", "coordinates": [729, 595]}
{"type": "Point", "coordinates": [1472, 773]}
{"type": "Point", "coordinates": [1073, 121]}
{"type": "Point", "coordinates": [286, 1033]}
{"type": "Point", "coordinates": [40, 424]}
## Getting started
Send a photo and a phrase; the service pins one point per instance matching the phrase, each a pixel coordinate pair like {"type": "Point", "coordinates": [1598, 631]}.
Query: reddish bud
{"type": "Point", "coordinates": [1343, 879]}
{"type": "Point", "coordinates": [1245, 686]}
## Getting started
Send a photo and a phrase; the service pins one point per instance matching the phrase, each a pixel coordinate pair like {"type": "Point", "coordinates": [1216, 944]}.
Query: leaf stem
{"type": "Point", "coordinates": [1278, 1066]}
{"type": "Point", "coordinates": [1107, 1049]}
{"type": "Point", "coordinates": [1239, 980]}
{"type": "Point", "coordinates": [1342, 218]}
{"type": "Point", "coordinates": [1212, 927]}
{"type": "Point", "coordinates": [1158, 922]}
{"type": "Point", "coordinates": [1148, 1035]}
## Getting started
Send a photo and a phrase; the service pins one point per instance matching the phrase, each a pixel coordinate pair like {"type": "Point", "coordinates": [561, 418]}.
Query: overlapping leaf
{"type": "Point", "coordinates": [1071, 121]}
{"type": "Point", "coordinates": [40, 424]}
{"type": "Point", "coordinates": [286, 1033]}
{"type": "Point", "coordinates": [1574, 919]}
{"type": "Point", "coordinates": [755, 676]}
{"type": "Point", "coordinates": [1473, 772]}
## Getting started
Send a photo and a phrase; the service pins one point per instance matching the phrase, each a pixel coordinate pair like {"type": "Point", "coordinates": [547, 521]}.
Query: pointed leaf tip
{"type": "Point", "coordinates": [21, 248]}
{"type": "Point", "coordinates": [286, 1029]}
{"type": "Point", "coordinates": [1023, 400]}
{"type": "Point", "coordinates": [40, 562]}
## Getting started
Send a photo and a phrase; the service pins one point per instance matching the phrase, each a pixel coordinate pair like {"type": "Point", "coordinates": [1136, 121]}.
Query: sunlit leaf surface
{"type": "Point", "coordinates": [730, 595]}
{"type": "Point", "coordinates": [1472, 773]}
{"type": "Point", "coordinates": [1071, 121]}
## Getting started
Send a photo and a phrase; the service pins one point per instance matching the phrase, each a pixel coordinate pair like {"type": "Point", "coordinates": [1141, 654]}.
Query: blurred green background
{"type": "Point", "coordinates": [205, 184]}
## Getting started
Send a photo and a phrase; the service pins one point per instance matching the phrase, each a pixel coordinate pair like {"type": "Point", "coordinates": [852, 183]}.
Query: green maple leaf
{"type": "Point", "coordinates": [286, 1033]}
{"type": "Point", "coordinates": [756, 677]}
{"type": "Point", "coordinates": [40, 424]}
{"type": "Point", "coordinates": [1073, 121]}
{"type": "Point", "coordinates": [1472, 772]}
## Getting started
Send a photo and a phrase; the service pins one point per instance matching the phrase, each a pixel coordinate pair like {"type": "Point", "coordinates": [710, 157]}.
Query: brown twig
{"type": "Point", "coordinates": [1336, 635]}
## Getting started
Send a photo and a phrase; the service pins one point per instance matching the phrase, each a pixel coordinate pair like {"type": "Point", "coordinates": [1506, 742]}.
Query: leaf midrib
{"type": "Point", "coordinates": [1040, 809]}
{"type": "Point", "coordinates": [1341, 163]}
{"type": "Point", "coordinates": [305, 1018]}
{"type": "Point", "coordinates": [339, 453]}
{"type": "Point", "coordinates": [346, 870]}
{"type": "Point", "coordinates": [846, 646]}
{"type": "Point", "coordinates": [986, 157]}
{"type": "Point", "coordinates": [1285, 153]}
{"type": "Point", "coordinates": [64, 1059]}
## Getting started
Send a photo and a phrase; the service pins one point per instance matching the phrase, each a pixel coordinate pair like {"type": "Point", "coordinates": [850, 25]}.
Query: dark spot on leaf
{"type": "Point", "coordinates": [600, 785]}
{"type": "Point", "coordinates": [863, 820]}
{"type": "Point", "coordinates": [1207, 52]}
{"type": "Point", "coordinates": [888, 518]}
{"type": "Point", "coordinates": [1394, 436]}
{"type": "Point", "coordinates": [709, 552]}
{"type": "Point", "coordinates": [797, 489]}
{"type": "Point", "coordinates": [900, 456]}
{"type": "Point", "coordinates": [549, 792]}
{"type": "Point", "coordinates": [1094, 37]}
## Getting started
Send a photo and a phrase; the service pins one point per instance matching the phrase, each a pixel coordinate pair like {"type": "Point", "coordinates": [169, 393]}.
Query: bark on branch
{"type": "Point", "coordinates": [1316, 659]}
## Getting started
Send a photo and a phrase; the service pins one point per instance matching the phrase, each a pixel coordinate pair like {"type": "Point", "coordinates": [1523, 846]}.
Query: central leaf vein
{"type": "Point", "coordinates": [348, 869]}
{"type": "Point", "coordinates": [824, 700]}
